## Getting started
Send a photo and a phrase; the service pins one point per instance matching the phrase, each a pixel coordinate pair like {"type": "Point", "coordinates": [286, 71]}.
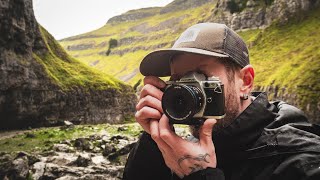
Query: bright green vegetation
{"type": "Point", "coordinates": [68, 72]}
{"type": "Point", "coordinates": [285, 56]}
{"type": "Point", "coordinates": [147, 34]}
{"type": "Point", "coordinates": [288, 56]}
{"type": "Point", "coordinates": [42, 139]}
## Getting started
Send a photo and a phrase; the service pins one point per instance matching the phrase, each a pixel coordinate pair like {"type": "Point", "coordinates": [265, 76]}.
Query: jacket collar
{"type": "Point", "coordinates": [244, 130]}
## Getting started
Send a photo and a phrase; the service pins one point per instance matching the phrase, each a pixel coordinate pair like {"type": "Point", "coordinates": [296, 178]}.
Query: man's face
{"type": "Point", "coordinates": [210, 66]}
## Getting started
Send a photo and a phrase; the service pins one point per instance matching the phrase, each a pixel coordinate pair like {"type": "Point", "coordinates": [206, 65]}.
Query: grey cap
{"type": "Point", "coordinates": [211, 39]}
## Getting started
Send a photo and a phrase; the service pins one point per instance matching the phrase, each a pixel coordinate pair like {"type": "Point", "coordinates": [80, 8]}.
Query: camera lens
{"type": "Point", "coordinates": [181, 102]}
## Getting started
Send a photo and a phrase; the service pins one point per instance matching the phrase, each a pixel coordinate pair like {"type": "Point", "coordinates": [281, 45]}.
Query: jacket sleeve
{"type": "Point", "coordinates": [206, 174]}
{"type": "Point", "coordinates": [301, 166]}
{"type": "Point", "coordinates": [145, 161]}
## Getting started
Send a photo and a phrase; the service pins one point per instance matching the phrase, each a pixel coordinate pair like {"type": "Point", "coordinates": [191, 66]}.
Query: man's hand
{"type": "Point", "coordinates": [149, 105]}
{"type": "Point", "coordinates": [181, 156]}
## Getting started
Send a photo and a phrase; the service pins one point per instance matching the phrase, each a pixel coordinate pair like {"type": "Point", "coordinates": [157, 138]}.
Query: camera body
{"type": "Point", "coordinates": [193, 99]}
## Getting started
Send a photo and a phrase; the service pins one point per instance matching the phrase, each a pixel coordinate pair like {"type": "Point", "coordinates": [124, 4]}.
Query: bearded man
{"type": "Point", "coordinates": [256, 139]}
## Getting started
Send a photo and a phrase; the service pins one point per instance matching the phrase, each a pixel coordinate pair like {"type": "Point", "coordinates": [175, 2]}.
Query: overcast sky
{"type": "Point", "coordinates": [65, 18]}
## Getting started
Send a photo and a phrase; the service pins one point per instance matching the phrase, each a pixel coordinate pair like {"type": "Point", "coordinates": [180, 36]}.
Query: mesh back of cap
{"type": "Point", "coordinates": [236, 48]}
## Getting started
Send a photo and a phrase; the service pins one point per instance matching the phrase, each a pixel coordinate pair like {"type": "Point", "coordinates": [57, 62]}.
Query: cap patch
{"type": "Point", "coordinates": [188, 36]}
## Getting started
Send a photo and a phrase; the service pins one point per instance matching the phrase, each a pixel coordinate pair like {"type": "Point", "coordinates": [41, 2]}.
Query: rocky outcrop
{"type": "Point", "coordinates": [99, 156]}
{"type": "Point", "coordinates": [134, 15]}
{"type": "Point", "coordinates": [70, 159]}
{"type": "Point", "coordinates": [178, 5]}
{"type": "Point", "coordinates": [29, 96]}
{"type": "Point", "coordinates": [257, 13]}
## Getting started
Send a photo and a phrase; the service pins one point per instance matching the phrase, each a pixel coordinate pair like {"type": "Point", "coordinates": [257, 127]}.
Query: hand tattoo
{"type": "Point", "coordinates": [195, 167]}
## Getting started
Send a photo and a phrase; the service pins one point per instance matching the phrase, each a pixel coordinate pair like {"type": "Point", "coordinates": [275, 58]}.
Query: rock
{"type": "Point", "coordinates": [19, 168]}
{"type": "Point", "coordinates": [134, 15]}
{"type": "Point", "coordinates": [67, 142]}
{"type": "Point", "coordinates": [122, 128]}
{"type": "Point", "coordinates": [5, 164]}
{"type": "Point", "coordinates": [31, 158]}
{"type": "Point", "coordinates": [29, 96]}
{"type": "Point", "coordinates": [61, 158]}
{"type": "Point", "coordinates": [63, 148]}
{"type": "Point", "coordinates": [67, 125]}
{"type": "Point", "coordinates": [100, 160]}
{"type": "Point", "coordinates": [178, 5]}
{"type": "Point", "coordinates": [83, 160]}
{"type": "Point", "coordinates": [38, 170]}
{"type": "Point", "coordinates": [123, 151]}
{"type": "Point", "coordinates": [108, 149]}
{"type": "Point", "coordinates": [83, 144]}
{"type": "Point", "coordinates": [260, 15]}
{"type": "Point", "coordinates": [117, 137]}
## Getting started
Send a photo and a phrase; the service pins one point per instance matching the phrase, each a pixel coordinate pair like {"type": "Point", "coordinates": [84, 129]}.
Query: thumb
{"type": "Point", "coordinates": [205, 133]}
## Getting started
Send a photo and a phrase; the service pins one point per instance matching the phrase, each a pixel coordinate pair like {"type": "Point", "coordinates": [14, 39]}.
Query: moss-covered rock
{"type": "Point", "coordinates": [42, 85]}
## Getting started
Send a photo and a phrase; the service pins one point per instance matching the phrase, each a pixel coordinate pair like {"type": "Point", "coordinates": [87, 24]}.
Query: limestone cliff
{"type": "Point", "coordinates": [42, 85]}
{"type": "Point", "coordinates": [249, 14]}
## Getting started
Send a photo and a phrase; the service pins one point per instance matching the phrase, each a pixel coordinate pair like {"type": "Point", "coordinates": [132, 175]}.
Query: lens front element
{"type": "Point", "coordinates": [181, 102]}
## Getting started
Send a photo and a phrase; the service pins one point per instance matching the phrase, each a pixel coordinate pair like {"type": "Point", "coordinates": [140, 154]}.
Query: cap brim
{"type": "Point", "coordinates": [157, 63]}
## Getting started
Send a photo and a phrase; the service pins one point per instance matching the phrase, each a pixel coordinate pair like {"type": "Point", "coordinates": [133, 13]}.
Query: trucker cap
{"type": "Point", "coordinates": [211, 39]}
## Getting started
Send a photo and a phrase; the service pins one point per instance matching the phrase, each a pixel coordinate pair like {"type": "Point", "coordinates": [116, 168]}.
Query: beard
{"type": "Point", "coordinates": [232, 109]}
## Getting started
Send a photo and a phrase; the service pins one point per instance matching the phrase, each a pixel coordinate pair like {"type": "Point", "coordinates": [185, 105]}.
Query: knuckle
{"type": "Point", "coordinates": [164, 134]}
{"type": "Point", "coordinates": [147, 100]}
{"type": "Point", "coordinates": [146, 89]}
{"type": "Point", "coordinates": [142, 112]}
{"type": "Point", "coordinates": [154, 136]}
{"type": "Point", "coordinates": [146, 79]}
{"type": "Point", "coordinates": [137, 115]}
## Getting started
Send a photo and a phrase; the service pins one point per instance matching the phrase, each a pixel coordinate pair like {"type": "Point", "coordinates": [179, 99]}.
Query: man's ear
{"type": "Point", "coordinates": [247, 76]}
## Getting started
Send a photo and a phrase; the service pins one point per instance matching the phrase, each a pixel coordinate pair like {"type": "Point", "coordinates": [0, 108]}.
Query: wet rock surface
{"type": "Point", "coordinates": [94, 157]}
{"type": "Point", "coordinates": [101, 154]}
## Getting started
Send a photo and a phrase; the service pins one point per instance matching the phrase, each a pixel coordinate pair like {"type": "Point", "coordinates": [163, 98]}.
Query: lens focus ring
{"type": "Point", "coordinates": [181, 102]}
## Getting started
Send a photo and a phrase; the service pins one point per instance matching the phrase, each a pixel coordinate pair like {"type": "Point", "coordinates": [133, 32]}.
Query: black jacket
{"type": "Point", "coordinates": [266, 142]}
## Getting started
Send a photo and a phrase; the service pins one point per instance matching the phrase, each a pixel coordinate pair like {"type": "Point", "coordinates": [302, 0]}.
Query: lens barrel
{"type": "Point", "coordinates": [181, 102]}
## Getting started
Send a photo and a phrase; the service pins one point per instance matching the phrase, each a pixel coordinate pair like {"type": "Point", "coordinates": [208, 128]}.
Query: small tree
{"type": "Point", "coordinates": [112, 44]}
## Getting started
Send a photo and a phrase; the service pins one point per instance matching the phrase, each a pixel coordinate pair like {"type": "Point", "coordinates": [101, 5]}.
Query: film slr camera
{"type": "Point", "coordinates": [193, 98]}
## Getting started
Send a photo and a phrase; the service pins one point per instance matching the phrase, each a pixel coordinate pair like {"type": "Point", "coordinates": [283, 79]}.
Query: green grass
{"type": "Point", "coordinates": [285, 56]}
{"type": "Point", "coordinates": [44, 138]}
{"type": "Point", "coordinates": [288, 56]}
{"type": "Point", "coordinates": [122, 65]}
{"type": "Point", "coordinates": [68, 72]}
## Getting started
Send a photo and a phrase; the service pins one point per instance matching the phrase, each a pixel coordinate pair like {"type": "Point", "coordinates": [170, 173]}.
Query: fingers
{"type": "Point", "coordinates": [155, 81]}
{"type": "Point", "coordinates": [150, 102]}
{"type": "Point", "coordinates": [144, 115]}
{"type": "Point", "coordinates": [205, 133]}
{"type": "Point", "coordinates": [149, 105]}
{"type": "Point", "coordinates": [155, 135]}
{"type": "Point", "coordinates": [151, 90]}
{"type": "Point", "coordinates": [167, 134]}
{"type": "Point", "coordinates": [152, 86]}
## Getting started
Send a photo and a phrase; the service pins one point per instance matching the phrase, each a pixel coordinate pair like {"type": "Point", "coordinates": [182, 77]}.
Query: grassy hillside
{"type": "Point", "coordinates": [68, 72]}
{"type": "Point", "coordinates": [135, 40]}
{"type": "Point", "coordinates": [288, 56]}
{"type": "Point", "coordinates": [285, 57]}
